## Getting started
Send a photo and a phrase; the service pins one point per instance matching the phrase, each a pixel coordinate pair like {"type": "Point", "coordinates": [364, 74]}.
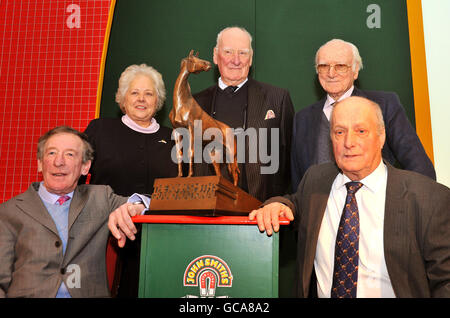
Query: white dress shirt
{"type": "Point", "coordinates": [222, 85]}
{"type": "Point", "coordinates": [49, 197]}
{"type": "Point", "coordinates": [328, 106]}
{"type": "Point", "coordinates": [373, 278]}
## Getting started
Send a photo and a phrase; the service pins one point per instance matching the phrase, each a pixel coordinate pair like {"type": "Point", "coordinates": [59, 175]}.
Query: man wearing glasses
{"type": "Point", "coordinates": [249, 105]}
{"type": "Point", "coordinates": [337, 65]}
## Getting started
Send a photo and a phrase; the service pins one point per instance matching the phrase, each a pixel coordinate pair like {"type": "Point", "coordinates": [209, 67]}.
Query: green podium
{"type": "Point", "coordinates": [194, 256]}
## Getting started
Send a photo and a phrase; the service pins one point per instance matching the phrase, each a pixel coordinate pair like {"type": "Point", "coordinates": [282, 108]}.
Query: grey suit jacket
{"type": "Point", "coordinates": [402, 144]}
{"type": "Point", "coordinates": [416, 230]}
{"type": "Point", "coordinates": [32, 263]}
{"type": "Point", "coordinates": [262, 97]}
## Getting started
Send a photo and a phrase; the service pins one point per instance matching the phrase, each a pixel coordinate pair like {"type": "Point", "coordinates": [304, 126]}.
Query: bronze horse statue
{"type": "Point", "coordinates": [186, 110]}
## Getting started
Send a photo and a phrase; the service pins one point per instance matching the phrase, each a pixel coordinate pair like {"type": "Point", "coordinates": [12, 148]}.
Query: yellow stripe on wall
{"type": "Point", "coordinates": [419, 75]}
{"type": "Point", "coordinates": [103, 61]}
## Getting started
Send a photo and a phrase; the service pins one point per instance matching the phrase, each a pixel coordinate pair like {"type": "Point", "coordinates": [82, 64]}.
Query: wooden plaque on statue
{"type": "Point", "coordinates": [202, 196]}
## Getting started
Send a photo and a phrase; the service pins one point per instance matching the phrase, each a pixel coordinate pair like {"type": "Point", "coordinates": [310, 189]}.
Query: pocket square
{"type": "Point", "coordinates": [269, 115]}
{"type": "Point", "coordinates": [163, 141]}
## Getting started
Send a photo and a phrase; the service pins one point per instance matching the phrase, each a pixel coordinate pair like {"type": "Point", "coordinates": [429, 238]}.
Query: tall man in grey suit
{"type": "Point", "coordinates": [402, 218]}
{"type": "Point", "coordinates": [53, 236]}
{"type": "Point", "coordinates": [242, 102]}
{"type": "Point", "coordinates": [337, 65]}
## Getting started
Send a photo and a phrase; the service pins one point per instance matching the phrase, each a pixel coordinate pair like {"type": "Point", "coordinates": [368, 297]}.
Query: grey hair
{"type": "Point", "coordinates": [376, 108]}
{"type": "Point", "coordinates": [357, 60]}
{"type": "Point", "coordinates": [219, 35]}
{"type": "Point", "coordinates": [380, 119]}
{"type": "Point", "coordinates": [130, 73]}
{"type": "Point", "coordinates": [88, 151]}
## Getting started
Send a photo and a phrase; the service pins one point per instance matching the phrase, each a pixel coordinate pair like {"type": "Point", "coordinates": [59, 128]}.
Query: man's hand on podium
{"type": "Point", "coordinates": [120, 223]}
{"type": "Point", "coordinates": [268, 217]}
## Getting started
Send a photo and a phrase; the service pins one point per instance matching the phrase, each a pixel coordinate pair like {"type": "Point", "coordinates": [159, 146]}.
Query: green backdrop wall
{"type": "Point", "coordinates": [286, 36]}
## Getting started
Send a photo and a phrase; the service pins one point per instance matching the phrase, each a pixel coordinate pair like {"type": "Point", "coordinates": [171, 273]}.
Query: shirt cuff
{"type": "Point", "coordinates": [136, 197]}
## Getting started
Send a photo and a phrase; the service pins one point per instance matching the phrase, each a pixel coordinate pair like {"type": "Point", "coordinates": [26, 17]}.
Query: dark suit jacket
{"type": "Point", "coordinates": [402, 143]}
{"type": "Point", "coordinates": [145, 156]}
{"type": "Point", "coordinates": [262, 97]}
{"type": "Point", "coordinates": [32, 263]}
{"type": "Point", "coordinates": [416, 230]}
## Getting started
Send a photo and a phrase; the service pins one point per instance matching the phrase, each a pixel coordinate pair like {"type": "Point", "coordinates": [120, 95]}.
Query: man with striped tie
{"type": "Point", "coordinates": [365, 228]}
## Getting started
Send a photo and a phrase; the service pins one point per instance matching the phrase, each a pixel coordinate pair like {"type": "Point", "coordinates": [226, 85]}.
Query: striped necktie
{"type": "Point", "coordinates": [63, 199]}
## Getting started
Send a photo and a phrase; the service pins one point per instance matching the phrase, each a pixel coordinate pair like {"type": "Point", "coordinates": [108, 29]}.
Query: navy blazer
{"type": "Point", "coordinates": [402, 146]}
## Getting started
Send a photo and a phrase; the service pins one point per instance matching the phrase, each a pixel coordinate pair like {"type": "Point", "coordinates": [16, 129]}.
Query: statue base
{"type": "Point", "coordinates": [201, 196]}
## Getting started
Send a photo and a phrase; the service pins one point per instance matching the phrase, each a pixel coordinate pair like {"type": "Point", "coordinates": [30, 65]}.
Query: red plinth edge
{"type": "Point", "coordinates": [185, 219]}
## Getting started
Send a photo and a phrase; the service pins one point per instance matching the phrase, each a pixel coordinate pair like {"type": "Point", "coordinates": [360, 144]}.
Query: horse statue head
{"type": "Point", "coordinates": [194, 64]}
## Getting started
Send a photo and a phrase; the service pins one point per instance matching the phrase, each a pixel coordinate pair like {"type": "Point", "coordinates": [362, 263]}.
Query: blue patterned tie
{"type": "Point", "coordinates": [345, 275]}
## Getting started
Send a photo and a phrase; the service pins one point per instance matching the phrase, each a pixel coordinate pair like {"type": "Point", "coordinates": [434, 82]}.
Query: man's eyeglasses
{"type": "Point", "coordinates": [338, 68]}
{"type": "Point", "coordinates": [231, 52]}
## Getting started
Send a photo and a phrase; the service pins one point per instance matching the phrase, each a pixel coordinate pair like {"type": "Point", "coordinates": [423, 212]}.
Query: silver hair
{"type": "Point", "coordinates": [219, 35]}
{"type": "Point", "coordinates": [380, 119]}
{"type": "Point", "coordinates": [130, 73]}
{"type": "Point", "coordinates": [376, 108]}
{"type": "Point", "coordinates": [357, 60]}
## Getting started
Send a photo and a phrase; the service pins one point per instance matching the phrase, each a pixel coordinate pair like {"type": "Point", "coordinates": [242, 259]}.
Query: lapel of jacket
{"type": "Point", "coordinates": [317, 112]}
{"type": "Point", "coordinates": [76, 241]}
{"type": "Point", "coordinates": [79, 200]}
{"type": "Point", "coordinates": [30, 203]}
{"type": "Point", "coordinates": [396, 225]}
{"type": "Point", "coordinates": [255, 104]}
{"type": "Point", "coordinates": [358, 92]}
{"type": "Point", "coordinates": [255, 118]}
{"type": "Point", "coordinates": [317, 203]}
